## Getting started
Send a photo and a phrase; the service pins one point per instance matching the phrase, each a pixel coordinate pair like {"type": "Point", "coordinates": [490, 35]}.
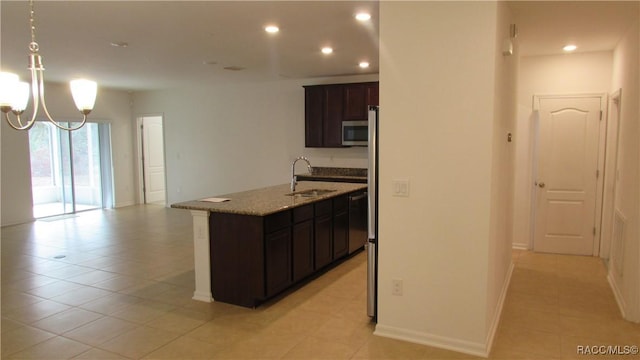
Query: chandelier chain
{"type": "Point", "coordinates": [33, 45]}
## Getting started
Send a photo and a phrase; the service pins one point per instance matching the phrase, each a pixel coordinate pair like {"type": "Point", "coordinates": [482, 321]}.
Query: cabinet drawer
{"type": "Point", "coordinates": [323, 208]}
{"type": "Point", "coordinates": [277, 221]}
{"type": "Point", "coordinates": [302, 213]}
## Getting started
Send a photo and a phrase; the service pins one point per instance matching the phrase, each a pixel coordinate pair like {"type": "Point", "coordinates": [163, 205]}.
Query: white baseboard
{"type": "Point", "coordinates": [617, 294]}
{"type": "Point", "coordinates": [462, 346]}
{"type": "Point", "coordinates": [447, 343]}
{"type": "Point", "coordinates": [202, 296]}
{"type": "Point", "coordinates": [520, 246]}
{"type": "Point", "coordinates": [19, 222]}
{"type": "Point", "coordinates": [124, 203]}
{"type": "Point", "coordinates": [498, 314]}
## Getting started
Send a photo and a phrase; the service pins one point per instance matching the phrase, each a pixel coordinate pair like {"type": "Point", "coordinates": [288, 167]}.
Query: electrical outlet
{"type": "Point", "coordinates": [396, 287]}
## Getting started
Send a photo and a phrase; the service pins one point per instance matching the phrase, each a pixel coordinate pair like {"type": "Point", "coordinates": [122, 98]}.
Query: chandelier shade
{"type": "Point", "coordinates": [84, 94]}
{"type": "Point", "coordinates": [8, 84]}
{"type": "Point", "coordinates": [21, 96]}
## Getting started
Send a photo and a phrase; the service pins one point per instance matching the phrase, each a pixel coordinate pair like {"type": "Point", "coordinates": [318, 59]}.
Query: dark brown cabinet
{"type": "Point", "coordinates": [253, 258]}
{"type": "Point", "coordinates": [277, 255]}
{"type": "Point", "coordinates": [340, 227]}
{"type": "Point", "coordinates": [314, 104]}
{"type": "Point", "coordinates": [323, 234]}
{"type": "Point", "coordinates": [332, 124]}
{"type": "Point", "coordinates": [327, 106]}
{"type": "Point", "coordinates": [302, 242]}
{"type": "Point", "coordinates": [357, 98]}
{"type": "Point", "coordinates": [277, 252]}
{"type": "Point", "coordinates": [323, 116]}
{"type": "Point", "coordinates": [237, 258]}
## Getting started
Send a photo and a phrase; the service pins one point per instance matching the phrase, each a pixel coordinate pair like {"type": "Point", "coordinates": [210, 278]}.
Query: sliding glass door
{"type": "Point", "coordinates": [66, 168]}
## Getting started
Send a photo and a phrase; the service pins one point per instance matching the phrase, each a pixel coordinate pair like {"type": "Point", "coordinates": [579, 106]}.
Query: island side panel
{"type": "Point", "coordinates": [237, 258]}
{"type": "Point", "coordinates": [201, 256]}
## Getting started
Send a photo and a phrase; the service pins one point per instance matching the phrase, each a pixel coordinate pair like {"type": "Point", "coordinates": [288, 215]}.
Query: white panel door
{"type": "Point", "coordinates": [153, 159]}
{"type": "Point", "coordinates": [566, 174]}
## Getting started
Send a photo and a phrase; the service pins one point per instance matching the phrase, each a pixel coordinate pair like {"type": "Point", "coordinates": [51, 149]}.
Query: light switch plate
{"type": "Point", "coordinates": [400, 188]}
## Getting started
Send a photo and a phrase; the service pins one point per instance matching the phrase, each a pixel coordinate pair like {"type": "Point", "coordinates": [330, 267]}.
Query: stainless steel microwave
{"type": "Point", "coordinates": [355, 133]}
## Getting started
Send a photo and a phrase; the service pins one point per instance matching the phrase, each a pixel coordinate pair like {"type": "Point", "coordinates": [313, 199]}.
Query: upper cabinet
{"type": "Point", "coordinates": [314, 105]}
{"type": "Point", "coordinates": [326, 106]}
{"type": "Point", "coordinates": [357, 98]}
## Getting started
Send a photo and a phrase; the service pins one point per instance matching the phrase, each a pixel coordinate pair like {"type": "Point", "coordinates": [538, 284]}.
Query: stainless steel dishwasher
{"type": "Point", "coordinates": [358, 236]}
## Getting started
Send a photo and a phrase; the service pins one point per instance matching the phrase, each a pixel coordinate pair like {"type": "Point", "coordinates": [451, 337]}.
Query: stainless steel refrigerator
{"type": "Point", "coordinates": [372, 244]}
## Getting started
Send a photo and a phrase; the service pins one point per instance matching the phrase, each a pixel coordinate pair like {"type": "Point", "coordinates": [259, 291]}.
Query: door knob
{"type": "Point", "coordinates": [541, 184]}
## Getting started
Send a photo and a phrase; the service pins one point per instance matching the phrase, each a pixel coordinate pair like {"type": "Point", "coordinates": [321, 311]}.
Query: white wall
{"type": "Point", "coordinates": [442, 129]}
{"type": "Point", "coordinates": [223, 138]}
{"type": "Point", "coordinates": [626, 76]}
{"type": "Point", "coordinates": [111, 106]}
{"type": "Point", "coordinates": [559, 74]}
{"type": "Point", "coordinates": [15, 187]}
{"type": "Point", "coordinates": [502, 175]}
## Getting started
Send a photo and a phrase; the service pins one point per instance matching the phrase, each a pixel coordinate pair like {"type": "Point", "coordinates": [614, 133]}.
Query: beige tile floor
{"type": "Point", "coordinates": [123, 291]}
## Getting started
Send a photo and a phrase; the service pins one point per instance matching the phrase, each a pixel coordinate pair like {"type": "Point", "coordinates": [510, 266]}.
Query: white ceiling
{"type": "Point", "coordinates": [170, 41]}
{"type": "Point", "coordinates": [546, 26]}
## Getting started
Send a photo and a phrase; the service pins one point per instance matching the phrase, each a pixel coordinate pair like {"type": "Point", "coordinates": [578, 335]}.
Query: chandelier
{"type": "Point", "coordinates": [14, 94]}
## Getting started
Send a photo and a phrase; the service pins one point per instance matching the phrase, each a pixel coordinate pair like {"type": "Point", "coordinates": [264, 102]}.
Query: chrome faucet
{"type": "Point", "coordinates": [294, 179]}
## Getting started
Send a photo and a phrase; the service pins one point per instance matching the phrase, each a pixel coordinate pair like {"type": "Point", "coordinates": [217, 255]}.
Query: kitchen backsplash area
{"type": "Point", "coordinates": [338, 174]}
{"type": "Point", "coordinates": [337, 171]}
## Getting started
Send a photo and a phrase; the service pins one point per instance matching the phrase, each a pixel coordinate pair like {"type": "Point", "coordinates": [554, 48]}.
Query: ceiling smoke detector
{"type": "Point", "coordinates": [233, 68]}
{"type": "Point", "coordinates": [120, 44]}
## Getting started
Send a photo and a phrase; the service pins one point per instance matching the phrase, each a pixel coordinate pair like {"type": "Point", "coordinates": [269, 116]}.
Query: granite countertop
{"type": "Point", "coordinates": [269, 200]}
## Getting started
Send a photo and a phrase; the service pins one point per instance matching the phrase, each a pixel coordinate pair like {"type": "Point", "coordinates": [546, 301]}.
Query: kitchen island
{"type": "Point", "coordinates": [260, 242]}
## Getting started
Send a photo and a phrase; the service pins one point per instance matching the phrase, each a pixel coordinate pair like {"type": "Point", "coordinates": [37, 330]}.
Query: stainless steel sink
{"type": "Point", "coordinates": [310, 193]}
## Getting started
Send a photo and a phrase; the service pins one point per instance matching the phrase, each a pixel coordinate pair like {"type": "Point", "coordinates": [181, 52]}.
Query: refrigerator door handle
{"type": "Point", "coordinates": [372, 190]}
{"type": "Point", "coordinates": [373, 171]}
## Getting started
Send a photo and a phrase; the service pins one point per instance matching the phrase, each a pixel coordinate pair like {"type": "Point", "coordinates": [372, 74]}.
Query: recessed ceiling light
{"type": "Point", "coordinates": [569, 48]}
{"type": "Point", "coordinates": [363, 64]}
{"type": "Point", "coordinates": [363, 16]}
{"type": "Point", "coordinates": [272, 29]}
{"type": "Point", "coordinates": [327, 50]}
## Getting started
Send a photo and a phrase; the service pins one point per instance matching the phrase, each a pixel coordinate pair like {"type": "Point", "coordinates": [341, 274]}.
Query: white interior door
{"type": "Point", "coordinates": [567, 174]}
{"type": "Point", "coordinates": [153, 159]}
